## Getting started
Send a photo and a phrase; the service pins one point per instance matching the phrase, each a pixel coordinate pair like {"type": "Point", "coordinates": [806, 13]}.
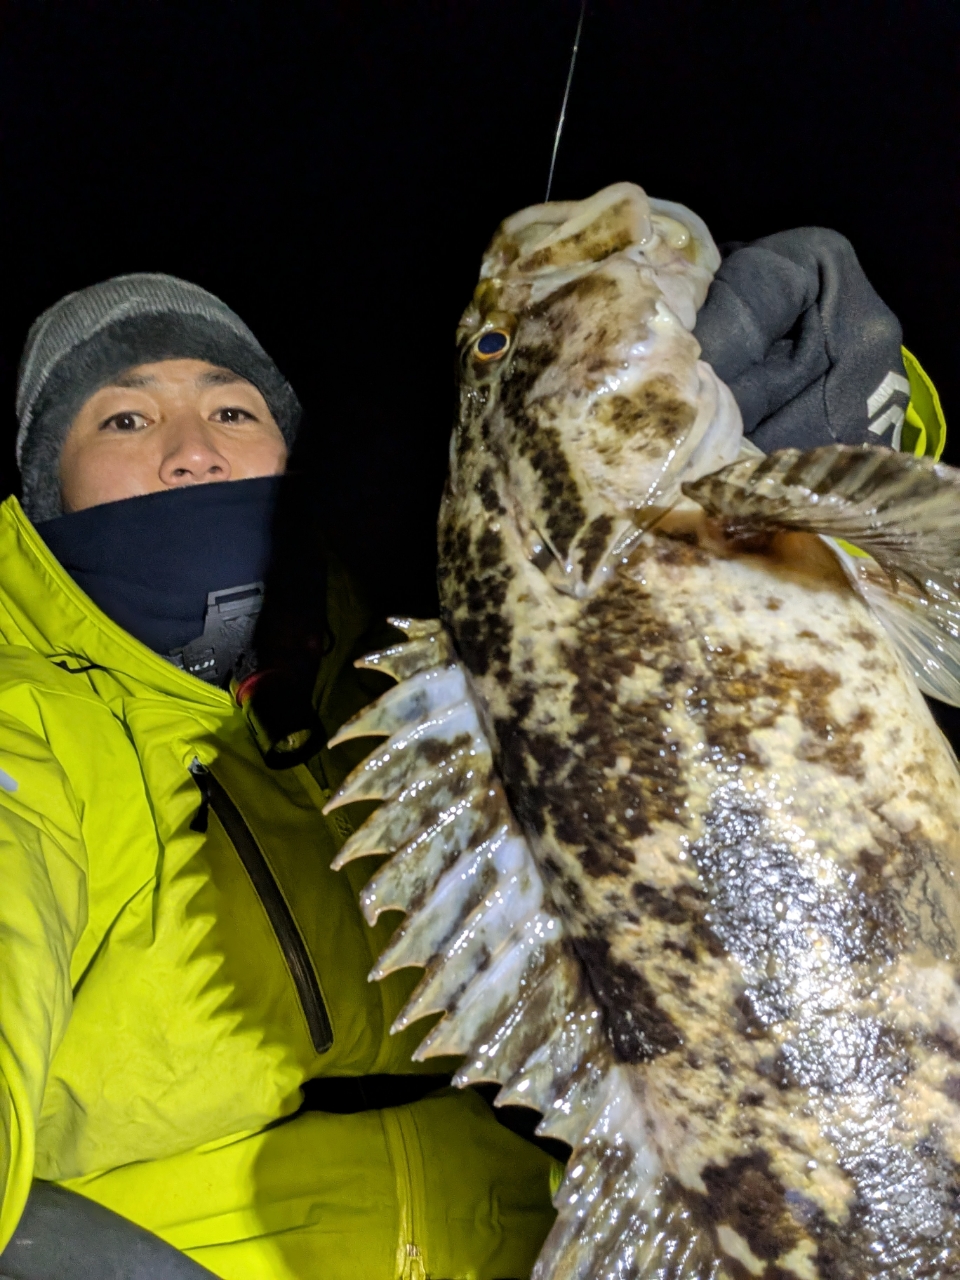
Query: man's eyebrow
{"type": "Point", "coordinates": [128, 380]}
{"type": "Point", "coordinates": [219, 378]}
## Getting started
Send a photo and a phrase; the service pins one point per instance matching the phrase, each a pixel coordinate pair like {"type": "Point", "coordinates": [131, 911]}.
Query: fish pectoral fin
{"type": "Point", "coordinates": [923, 625]}
{"type": "Point", "coordinates": [899, 515]}
{"type": "Point", "coordinates": [617, 1217]}
{"type": "Point", "coordinates": [902, 510]}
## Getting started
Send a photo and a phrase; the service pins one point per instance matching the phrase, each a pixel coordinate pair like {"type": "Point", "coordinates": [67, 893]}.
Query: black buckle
{"type": "Point", "coordinates": [283, 720]}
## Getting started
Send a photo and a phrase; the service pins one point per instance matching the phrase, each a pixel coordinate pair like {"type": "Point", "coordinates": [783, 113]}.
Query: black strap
{"type": "Point", "coordinates": [345, 1095]}
{"type": "Point", "coordinates": [65, 1236]}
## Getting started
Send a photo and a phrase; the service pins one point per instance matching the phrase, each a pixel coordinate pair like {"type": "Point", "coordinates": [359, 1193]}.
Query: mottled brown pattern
{"type": "Point", "coordinates": [638, 1028]}
{"type": "Point", "coordinates": [748, 827]}
{"type": "Point", "coordinates": [538, 440]}
{"type": "Point", "coordinates": [749, 1197]}
{"type": "Point", "coordinates": [655, 407]}
{"type": "Point", "coordinates": [479, 580]}
{"type": "Point", "coordinates": [574, 786]}
{"type": "Point", "coordinates": [568, 787]}
{"type": "Point", "coordinates": [593, 544]}
{"type": "Point", "coordinates": [737, 681]}
{"type": "Point", "coordinates": [595, 242]}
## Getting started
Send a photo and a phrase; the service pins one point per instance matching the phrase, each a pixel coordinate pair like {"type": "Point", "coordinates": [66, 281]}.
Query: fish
{"type": "Point", "coordinates": [672, 825]}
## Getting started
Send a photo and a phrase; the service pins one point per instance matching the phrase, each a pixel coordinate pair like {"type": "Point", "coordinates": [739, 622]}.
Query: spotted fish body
{"type": "Point", "coordinates": [721, 907]}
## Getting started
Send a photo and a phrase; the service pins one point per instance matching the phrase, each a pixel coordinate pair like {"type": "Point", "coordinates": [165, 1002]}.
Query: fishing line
{"type": "Point", "coordinates": [566, 98]}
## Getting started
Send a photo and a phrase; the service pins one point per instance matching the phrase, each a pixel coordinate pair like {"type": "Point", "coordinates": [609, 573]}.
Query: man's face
{"type": "Point", "coordinates": [165, 425]}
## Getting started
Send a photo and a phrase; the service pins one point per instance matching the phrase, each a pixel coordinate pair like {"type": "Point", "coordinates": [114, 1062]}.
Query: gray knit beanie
{"type": "Point", "coordinates": [89, 337]}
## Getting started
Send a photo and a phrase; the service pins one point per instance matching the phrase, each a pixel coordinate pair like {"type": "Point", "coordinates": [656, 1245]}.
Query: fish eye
{"type": "Point", "coordinates": [491, 345]}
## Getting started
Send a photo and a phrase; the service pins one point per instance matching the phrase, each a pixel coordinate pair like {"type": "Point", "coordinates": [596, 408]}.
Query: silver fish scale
{"type": "Point", "coordinates": [674, 831]}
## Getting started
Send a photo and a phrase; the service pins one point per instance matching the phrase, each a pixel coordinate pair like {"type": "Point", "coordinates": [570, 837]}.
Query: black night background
{"type": "Point", "coordinates": [333, 171]}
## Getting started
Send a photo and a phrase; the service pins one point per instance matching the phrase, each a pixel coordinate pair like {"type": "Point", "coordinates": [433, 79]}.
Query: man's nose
{"type": "Point", "coordinates": [191, 455]}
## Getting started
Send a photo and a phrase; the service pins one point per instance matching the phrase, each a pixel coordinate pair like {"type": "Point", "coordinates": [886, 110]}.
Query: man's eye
{"type": "Point", "coordinates": [124, 422]}
{"type": "Point", "coordinates": [230, 415]}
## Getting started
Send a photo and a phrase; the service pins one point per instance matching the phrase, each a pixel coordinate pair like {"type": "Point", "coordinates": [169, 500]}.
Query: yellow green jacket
{"type": "Point", "coordinates": [924, 431]}
{"type": "Point", "coordinates": [154, 1035]}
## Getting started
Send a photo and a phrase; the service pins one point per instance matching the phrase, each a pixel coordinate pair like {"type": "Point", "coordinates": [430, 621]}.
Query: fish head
{"type": "Point", "coordinates": [583, 400]}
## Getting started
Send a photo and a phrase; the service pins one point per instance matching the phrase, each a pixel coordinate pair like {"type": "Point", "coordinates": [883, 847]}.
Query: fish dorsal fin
{"type": "Point", "coordinates": [900, 513]}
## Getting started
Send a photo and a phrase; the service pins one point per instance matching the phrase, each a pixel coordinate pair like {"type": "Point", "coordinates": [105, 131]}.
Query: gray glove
{"type": "Point", "coordinates": [808, 348]}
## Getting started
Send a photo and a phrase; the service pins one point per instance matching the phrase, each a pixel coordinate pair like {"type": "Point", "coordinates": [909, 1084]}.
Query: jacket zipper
{"type": "Point", "coordinates": [214, 796]}
{"type": "Point", "coordinates": [404, 1145]}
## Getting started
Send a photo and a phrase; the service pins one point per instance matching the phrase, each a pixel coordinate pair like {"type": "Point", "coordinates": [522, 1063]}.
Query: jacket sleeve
{"type": "Point", "coordinates": [925, 428]}
{"type": "Point", "coordinates": [43, 911]}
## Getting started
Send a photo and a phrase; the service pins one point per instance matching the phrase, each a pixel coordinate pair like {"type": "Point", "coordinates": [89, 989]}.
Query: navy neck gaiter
{"type": "Point", "coordinates": [150, 563]}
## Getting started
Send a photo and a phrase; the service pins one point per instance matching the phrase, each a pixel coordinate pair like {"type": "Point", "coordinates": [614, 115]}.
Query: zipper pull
{"type": "Point", "coordinates": [201, 776]}
{"type": "Point", "coordinates": [413, 1268]}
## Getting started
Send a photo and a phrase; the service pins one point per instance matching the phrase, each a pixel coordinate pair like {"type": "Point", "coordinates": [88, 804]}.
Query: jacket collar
{"type": "Point", "coordinates": [43, 608]}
